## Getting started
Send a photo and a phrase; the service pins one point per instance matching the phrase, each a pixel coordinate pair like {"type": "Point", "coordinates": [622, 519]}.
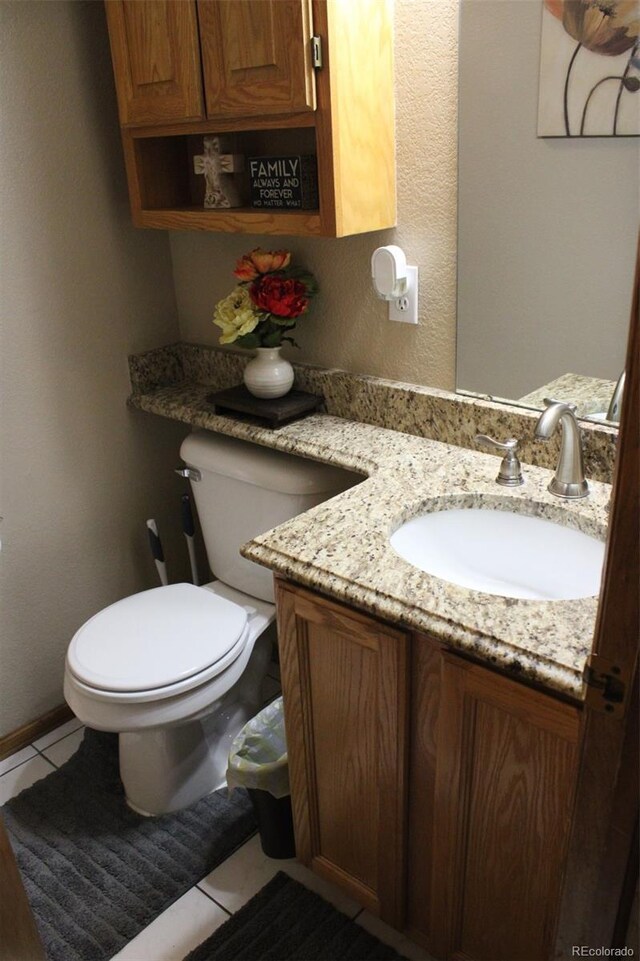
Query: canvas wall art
{"type": "Point", "coordinates": [589, 69]}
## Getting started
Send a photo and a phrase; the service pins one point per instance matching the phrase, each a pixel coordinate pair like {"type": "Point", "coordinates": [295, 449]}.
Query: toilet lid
{"type": "Point", "coordinates": [156, 638]}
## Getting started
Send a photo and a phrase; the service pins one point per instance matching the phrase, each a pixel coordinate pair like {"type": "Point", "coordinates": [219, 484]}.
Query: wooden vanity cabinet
{"type": "Point", "coordinates": [244, 70]}
{"type": "Point", "coordinates": [434, 791]}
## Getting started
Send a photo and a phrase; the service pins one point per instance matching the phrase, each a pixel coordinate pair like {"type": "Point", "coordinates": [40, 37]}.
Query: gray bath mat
{"type": "Point", "coordinates": [96, 873]}
{"type": "Point", "coordinates": [287, 922]}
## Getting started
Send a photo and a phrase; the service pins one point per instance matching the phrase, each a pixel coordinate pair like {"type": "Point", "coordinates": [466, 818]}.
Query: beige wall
{"type": "Point", "coordinates": [349, 326]}
{"type": "Point", "coordinates": [80, 288]}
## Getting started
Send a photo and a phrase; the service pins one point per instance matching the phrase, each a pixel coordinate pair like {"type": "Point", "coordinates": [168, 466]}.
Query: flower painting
{"type": "Point", "coordinates": [590, 69]}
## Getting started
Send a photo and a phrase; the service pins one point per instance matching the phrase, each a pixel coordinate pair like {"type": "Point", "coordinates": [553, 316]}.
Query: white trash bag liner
{"type": "Point", "coordinates": [258, 755]}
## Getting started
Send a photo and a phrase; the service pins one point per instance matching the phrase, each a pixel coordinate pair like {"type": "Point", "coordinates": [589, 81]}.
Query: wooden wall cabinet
{"type": "Point", "coordinates": [435, 791]}
{"type": "Point", "coordinates": [243, 69]}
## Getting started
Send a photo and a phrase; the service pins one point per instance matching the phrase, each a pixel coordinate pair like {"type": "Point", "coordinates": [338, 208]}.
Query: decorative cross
{"type": "Point", "coordinates": [221, 191]}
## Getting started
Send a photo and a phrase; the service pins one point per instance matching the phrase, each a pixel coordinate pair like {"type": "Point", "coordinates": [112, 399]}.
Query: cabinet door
{"type": "Point", "coordinates": [156, 60]}
{"type": "Point", "coordinates": [505, 780]}
{"type": "Point", "coordinates": [345, 684]}
{"type": "Point", "coordinates": [256, 57]}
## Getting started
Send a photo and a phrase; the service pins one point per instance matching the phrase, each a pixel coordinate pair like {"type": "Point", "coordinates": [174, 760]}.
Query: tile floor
{"type": "Point", "coordinates": [197, 914]}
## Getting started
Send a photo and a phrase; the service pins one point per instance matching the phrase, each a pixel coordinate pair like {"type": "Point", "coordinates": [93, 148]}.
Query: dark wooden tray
{"type": "Point", "coordinates": [273, 412]}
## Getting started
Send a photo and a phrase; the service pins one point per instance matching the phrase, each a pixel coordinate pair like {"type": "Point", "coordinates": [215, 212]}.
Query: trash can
{"type": "Point", "coordinates": [258, 762]}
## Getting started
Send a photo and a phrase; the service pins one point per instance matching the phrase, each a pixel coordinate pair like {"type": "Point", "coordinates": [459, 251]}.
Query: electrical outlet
{"type": "Point", "coordinates": [405, 308]}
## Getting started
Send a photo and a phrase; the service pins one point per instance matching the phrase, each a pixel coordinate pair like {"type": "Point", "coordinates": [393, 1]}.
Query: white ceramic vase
{"type": "Point", "coordinates": [268, 374]}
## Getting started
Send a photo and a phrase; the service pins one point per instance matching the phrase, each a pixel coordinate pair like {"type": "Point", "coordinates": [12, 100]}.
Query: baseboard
{"type": "Point", "coordinates": [25, 735]}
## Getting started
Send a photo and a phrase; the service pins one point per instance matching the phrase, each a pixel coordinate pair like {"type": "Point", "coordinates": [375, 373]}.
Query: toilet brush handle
{"type": "Point", "coordinates": [157, 552]}
{"type": "Point", "coordinates": [189, 529]}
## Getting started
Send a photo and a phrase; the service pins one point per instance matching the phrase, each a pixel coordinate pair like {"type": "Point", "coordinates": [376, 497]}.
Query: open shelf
{"type": "Point", "coordinates": [167, 194]}
{"type": "Point", "coordinates": [237, 220]}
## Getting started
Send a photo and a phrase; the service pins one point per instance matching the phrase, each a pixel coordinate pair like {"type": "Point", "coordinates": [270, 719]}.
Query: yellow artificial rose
{"type": "Point", "coordinates": [236, 315]}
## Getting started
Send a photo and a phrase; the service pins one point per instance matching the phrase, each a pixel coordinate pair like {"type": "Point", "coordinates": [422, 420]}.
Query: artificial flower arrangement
{"type": "Point", "coordinates": [264, 307]}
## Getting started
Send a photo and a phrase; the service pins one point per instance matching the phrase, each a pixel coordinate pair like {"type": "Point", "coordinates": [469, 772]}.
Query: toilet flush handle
{"type": "Point", "coordinates": [191, 473]}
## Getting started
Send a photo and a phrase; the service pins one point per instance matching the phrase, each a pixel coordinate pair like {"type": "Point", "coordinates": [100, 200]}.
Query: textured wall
{"type": "Point", "coordinates": [349, 326]}
{"type": "Point", "coordinates": [79, 473]}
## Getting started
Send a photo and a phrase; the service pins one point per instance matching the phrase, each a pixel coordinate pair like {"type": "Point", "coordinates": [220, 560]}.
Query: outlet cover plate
{"type": "Point", "coordinates": [405, 309]}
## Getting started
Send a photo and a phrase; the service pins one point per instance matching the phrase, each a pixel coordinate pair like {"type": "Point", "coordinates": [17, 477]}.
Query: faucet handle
{"type": "Point", "coordinates": [510, 473]}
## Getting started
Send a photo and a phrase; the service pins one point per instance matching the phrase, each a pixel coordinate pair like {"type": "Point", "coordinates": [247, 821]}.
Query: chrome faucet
{"type": "Point", "coordinates": [568, 480]}
{"type": "Point", "coordinates": [615, 406]}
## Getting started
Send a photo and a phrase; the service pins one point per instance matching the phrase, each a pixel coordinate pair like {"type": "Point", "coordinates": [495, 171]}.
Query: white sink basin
{"type": "Point", "coordinates": [499, 552]}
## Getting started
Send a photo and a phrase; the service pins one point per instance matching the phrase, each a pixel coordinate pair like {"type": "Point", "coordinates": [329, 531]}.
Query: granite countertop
{"type": "Point", "coordinates": [341, 548]}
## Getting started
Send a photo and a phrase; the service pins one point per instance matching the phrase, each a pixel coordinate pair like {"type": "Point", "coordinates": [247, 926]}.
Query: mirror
{"type": "Point", "coordinates": [547, 227]}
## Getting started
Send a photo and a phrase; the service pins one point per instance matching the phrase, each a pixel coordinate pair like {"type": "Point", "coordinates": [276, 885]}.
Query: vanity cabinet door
{"type": "Point", "coordinates": [345, 686]}
{"type": "Point", "coordinates": [505, 779]}
{"type": "Point", "coordinates": [156, 60]}
{"type": "Point", "coordinates": [256, 57]}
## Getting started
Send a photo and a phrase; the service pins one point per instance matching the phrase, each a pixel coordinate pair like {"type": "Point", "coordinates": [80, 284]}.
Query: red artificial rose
{"type": "Point", "coordinates": [282, 296]}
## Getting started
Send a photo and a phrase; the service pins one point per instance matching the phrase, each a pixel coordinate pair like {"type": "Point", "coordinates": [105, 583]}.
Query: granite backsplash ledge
{"type": "Point", "coordinates": [411, 409]}
{"type": "Point", "coordinates": [160, 367]}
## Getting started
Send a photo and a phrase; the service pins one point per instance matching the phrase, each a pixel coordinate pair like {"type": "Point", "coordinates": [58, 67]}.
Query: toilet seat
{"type": "Point", "coordinates": [157, 644]}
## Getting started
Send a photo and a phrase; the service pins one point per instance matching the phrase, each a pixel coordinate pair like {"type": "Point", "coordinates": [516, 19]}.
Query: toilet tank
{"type": "Point", "coordinates": [246, 490]}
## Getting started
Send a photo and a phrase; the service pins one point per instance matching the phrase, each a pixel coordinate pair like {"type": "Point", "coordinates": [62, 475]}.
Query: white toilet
{"type": "Point", "coordinates": [177, 671]}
